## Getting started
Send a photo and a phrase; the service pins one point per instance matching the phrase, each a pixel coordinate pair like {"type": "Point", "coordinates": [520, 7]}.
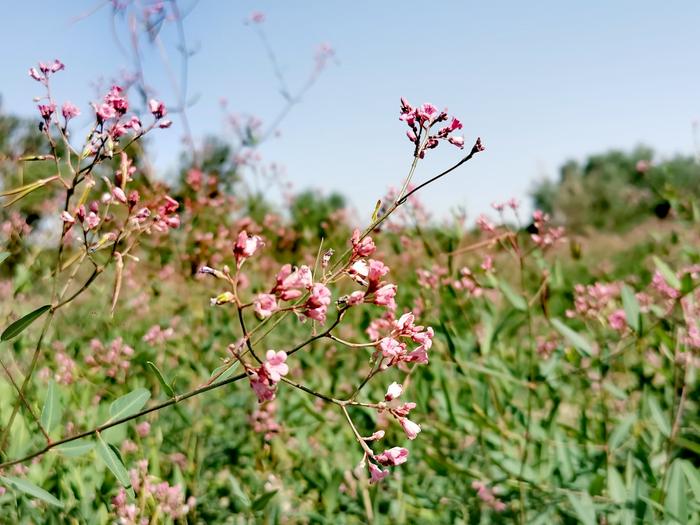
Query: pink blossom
{"type": "Point", "coordinates": [395, 390]}
{"type": "Point", "coordinates": [618, 320]}
{"type": "Point", "coordinates": [142, 429]}
{"type": "Point", "coordinates": [119, 194]}
{"type": "Point", "coordinates": [456, 141]}
{"type": "Point", "coordinates": [275, 365]}
{"type": "Point", "coordinates": [392, 457]}
{"type": "Point", "coordinates": [410, 428]}
{"type": "Point", "coordinates": [246, 246]}
{"type": "Point", "coordinates": [257, 17]}
{"type": "Point", "coordinates": [390, 347]}
{"type": "Point", "coordinates": [165, 124]}
{"type": "Point", "coordinates": [67, 217]}
{"type": "Point", "coordinates": [376, 474]}
{"type": "Point", "coordinates": [115, 99]}
{"type": "Point", "coordinates": [426, 114]}
{"type": "Point", "coordinates": [265, 304]}
{"type": "Point", "coordinates": [46, 110]}
{"type": "Point", "coordinates": [104, 112]}
{"type": "Point", "coordinates": [384, 296]}
{"type": "Point", "coordinates": [317, 305]}
{"type": "Point", "coordinates": [69, 110]}
{"type": "Point", "coordinates": [92, 220]}
{"type": "Point", "coordinates": [291, 283]}
{"type": "Point", "coordinates": [361, 247]}
{"type": "Point", "coordinates": [157, 108]}
{"type": "Point", "coordinates": [355, 298]}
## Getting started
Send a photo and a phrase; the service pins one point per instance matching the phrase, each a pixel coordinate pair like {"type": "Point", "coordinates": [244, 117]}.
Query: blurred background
{"type": "Point", "coordinates": [540, 84]}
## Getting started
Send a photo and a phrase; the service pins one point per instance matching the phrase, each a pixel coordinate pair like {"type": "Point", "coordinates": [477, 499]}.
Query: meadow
{"type": "Point", "coordinates": [192, 353]}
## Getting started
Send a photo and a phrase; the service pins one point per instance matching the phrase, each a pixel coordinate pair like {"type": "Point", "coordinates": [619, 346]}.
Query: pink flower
{"type": "Point", "coordinates": [262, 387]}
{"type": "Point", "coordinates": [69, 110]}
{"type": "Point", "coordinates": [104, 112]}
{"type": "Point", "coordinates": [291, 283]}
{"type": "Point", "coordinates": [165, 124]}
{"type": "Point", "coordinates": [67, 218]}
{"type": "Point", "coordinates": [257, 17]}
{"type": "Point", "coordinates": [275, 365]}
{"type": "Point", "coordinates": [246, 246]}
{"type": "Point", "coordinates": [412, 429]}
{"type": "Point", "coordinates": [92, 220]}
{"type": "Point", "coordinates": [392, 457]}
{"type": "Point", "coordinates": [119, 194]}
{"type": "Point", "coordinates": [35, 74]}
{"type": "Point", "coordinates": [317, 305]}
{"type": "Point", "coordinates": [426, 114]}
{"type": "Point", "coordinates": [618, 320]}
{"type": "Point", "coordinates": [395, 390]}
{"type": "Point", "coordinates": [384, 296]}
{"type": "Point", "coordinates": [157, 108]}
{"type": "Point", "coordinates": [265, 304]}
{"type": "Point", "coordinates": [46, 110]}
{"type": "Point", "coordinates": [142, 429]}
{"type": "Point", "coordinates": [457, 141]}
{"type": "Point", "coordinates": [376, 474]}
{"type": "Point", "coordinates": [115, 99]}
{"type": "Point", "coordinates": [390, 347]}
{"type": "Point", "coordinates": [376, 270]}
{"type": "Point", "coordinates": [361, 247]}
{"type": "Point", "coordinates": [355, 298]}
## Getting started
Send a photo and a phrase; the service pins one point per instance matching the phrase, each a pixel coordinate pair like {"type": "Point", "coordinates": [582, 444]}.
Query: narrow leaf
{"type": "Point", "coordinates": [76, 448]}
{"type": "Point", "coordinates": [163, 383]}
{"type": "Point", "coordinates": [52, 411]}
{"type": "Point", "coordinates": [676, 502]}
{"type": "Point", "coordinates": [577, 340]}
{"type": "Point", "coordinates": [3, 256]}
{"type": "Point", "coordinates": [658, 416]}
{"type": "Point", "coordinates": [513, 298]}
{"type": "Point", "coordinates": [22, 323]}
{"type": "Point", "coordinates": [631, 306]}
{"type": "Point", "coordinates": [112, 462]}
{"type": "Point", "coordinates": [129, 404]}
{"type": "Point", "coordinates": [692, 475]}
{"type": "Point", "coordinates": [583, 506]}
{"type": "Point", "coordinates": [668, 274]}
{"type": "Point", "coordinates": [30, 489]}
{"type": "Point", "coordinates": [262, 501]}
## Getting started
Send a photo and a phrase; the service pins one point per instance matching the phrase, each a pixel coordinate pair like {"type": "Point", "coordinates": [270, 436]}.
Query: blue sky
{"type": "Point", "coordinates": [540, 82]}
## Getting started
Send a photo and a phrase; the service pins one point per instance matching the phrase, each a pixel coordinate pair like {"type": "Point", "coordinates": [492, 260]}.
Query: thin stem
{"type": "Point", "coordinates": [24, 401]}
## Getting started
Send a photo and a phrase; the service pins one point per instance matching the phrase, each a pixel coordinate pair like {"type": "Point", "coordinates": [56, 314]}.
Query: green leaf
{"type": "Point", "coordinates": [616, 487]}
{"type": "Point", "coordinates": [228, 369]}
{"type": "Point", "coordinates": [30, 489]}
{"type": "Point", "coordinates": [658, 416]}
{"type": "Point", "coordinates": [129, 404]}
{"type": "Point", "coordinates": [631, 306]}
{"type": "Point", "coordinates": [76, 448]}
{"type": "Point", "coordinates": [676, 502]}
{"type": "Point", "coordinates": [262, 501]}
{"type": "Point", "coordinates": [113, 462]}
{"type": "Point", "coordinates": [518, 302]}
{"type": "Point", "coordinates": [3, 256]}
{"type": "Point", "coordinates": [52, 411]}
{"type": "Point", "coordinates": [23, 322]}
{"type": "Point", "coordinates": [163, 383]}
{"type": "Point", "coordinates": [577, 340]}
{"type": "Point", "coordinates": [583, 506]}
{"type": "Point", "coordinates": [692, 475]}
{"type": "Point", "coordinates": [619, 434]}
{"type": "Point", "coordinates": [668, 274]}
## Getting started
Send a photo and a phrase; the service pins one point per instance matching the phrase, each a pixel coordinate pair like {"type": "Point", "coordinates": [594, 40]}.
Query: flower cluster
{"type": "Point", "coordinates": [394, 348]}
{"type": "Point", "coordinates": [547, 235]}
{"type": "Point", "coordinates": [487, 495]}
{"type": "Point", "coordinates": [263, 380]}
{"type": "Point", "coordinates": [168, 500]}
{"type": "Point", "coordinates": [112, 360]}
{"type": "Point", "coordinates": [421, 120]}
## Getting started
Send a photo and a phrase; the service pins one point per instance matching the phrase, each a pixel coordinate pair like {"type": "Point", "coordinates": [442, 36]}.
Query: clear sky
{"type": "Point", "coordinates": [540, 82]}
